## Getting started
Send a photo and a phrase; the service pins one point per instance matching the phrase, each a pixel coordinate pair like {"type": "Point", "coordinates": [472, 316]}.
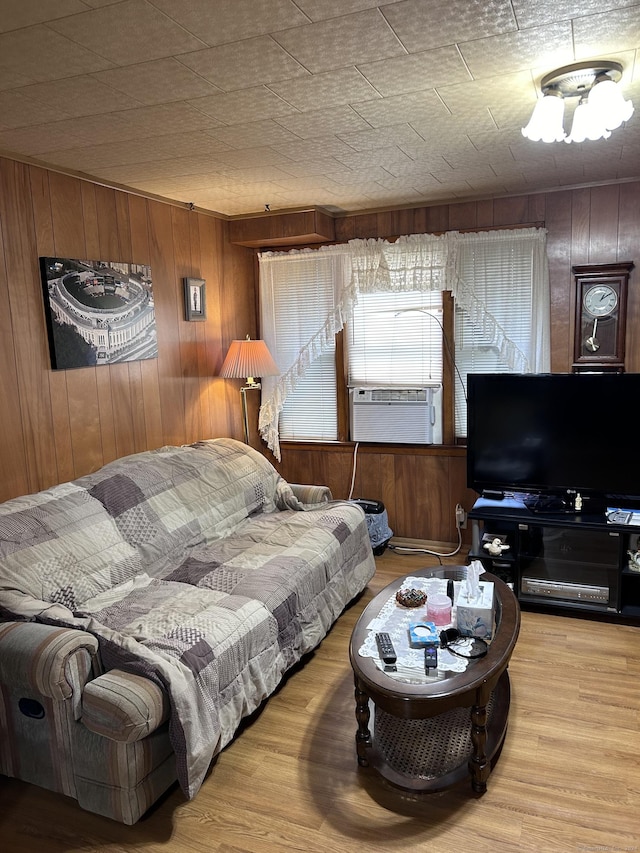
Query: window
{"type": "Point", "coordinates": [396, 339]}
{"type": "Point", "coordinates": [389, 299]}
{"type": "Point", "coordinates": [302, 295]}
{"type": "Point", "coordinates": [512, 332]}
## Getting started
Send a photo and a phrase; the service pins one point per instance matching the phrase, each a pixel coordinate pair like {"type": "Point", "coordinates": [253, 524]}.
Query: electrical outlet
{"type": "Point", "coordinates": [461, 517]}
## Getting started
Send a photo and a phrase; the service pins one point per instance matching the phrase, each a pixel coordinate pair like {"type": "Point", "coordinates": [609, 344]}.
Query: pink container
{"type": "Point", "coordinates": [439, 609]}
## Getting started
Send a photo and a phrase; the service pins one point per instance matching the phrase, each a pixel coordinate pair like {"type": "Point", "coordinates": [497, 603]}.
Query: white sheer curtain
{"type": "Point", "coordinates": [411, 263]}
{"type": "Point", "coordinates": [305, 296]}
{"type": "Point", "coordinates": [479, 270]}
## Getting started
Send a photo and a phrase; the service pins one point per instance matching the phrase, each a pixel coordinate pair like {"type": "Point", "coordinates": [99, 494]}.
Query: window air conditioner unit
{"type": "Point", "coordinates": [400, 415]}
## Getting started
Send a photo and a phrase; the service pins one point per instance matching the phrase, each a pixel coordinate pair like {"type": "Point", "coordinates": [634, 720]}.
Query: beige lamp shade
{"type": "Point", "coordinates": [246, 359]}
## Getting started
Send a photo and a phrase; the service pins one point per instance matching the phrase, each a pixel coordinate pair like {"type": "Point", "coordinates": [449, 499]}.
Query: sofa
{"type": "Point", "coordinates": [147, 608]}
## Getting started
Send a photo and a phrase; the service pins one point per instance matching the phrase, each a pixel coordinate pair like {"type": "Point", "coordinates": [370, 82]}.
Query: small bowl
{"type": "Point", "coordinates": [411, 597]}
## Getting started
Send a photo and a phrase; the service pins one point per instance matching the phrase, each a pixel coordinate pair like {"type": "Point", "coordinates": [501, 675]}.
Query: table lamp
{"type": "Point", "coordinates": [248, 359]}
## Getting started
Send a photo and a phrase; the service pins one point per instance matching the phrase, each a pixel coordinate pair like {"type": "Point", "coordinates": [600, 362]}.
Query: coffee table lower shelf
{"type": "Point", "coordinates": [435, 753]}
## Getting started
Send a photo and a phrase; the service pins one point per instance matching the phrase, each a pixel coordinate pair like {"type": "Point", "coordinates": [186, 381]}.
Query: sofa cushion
{"type": "Point", "coordinates": [61, 546]}
{"type": "Point", "coordinates": [123, 706]}
{"type": "Point", "coordinates": [168, 501]}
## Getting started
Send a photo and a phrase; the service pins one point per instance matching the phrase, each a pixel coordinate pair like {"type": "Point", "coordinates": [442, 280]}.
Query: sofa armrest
{"type": "Point", "coordinates": [123, 707]}
{"type": "Point", "coordinates": [41, 659]}
{"type": "Point", "coordinates": [311, 495]}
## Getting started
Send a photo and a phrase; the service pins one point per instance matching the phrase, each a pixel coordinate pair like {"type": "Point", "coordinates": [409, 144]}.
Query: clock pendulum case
{"type": "Point", "coordinates": [601, 308]}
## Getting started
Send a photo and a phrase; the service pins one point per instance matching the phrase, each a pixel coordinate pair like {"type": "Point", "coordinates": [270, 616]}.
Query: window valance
{"type": "Point", "coordinates": [417, 262]}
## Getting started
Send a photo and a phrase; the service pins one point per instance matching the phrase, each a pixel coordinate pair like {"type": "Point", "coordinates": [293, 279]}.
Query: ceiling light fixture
{"type": "Point", "coordinates": [602, 107]}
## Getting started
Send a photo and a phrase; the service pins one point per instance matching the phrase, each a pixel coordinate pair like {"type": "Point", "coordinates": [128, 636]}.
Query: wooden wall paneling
{"type": "Point", "coordinates": [107, 415]}
{"type": "Point", "coordinates": [580, 226]}
{"type": "Point", "coordinates": [151, 401]}
{"type": "Point", "coordinates": [365, 225]}
{"type": "Point", "coordinates": [423, 497]}
{"type": "Point", "coordinates": [147, 409]}
{"type": "Point", "coordinates": [463, 216]}
{"type": "Point", "coordinates": [300, 464]}
{"type": "Point", "coordinates": [13, 463]}
{"type": "Point", "coordinates": [123, 220]}
{"type": "Point", "coordinates": [110, 250]}
{"type": "Point", "coordinates": [395, 223]}
{"type": "Point", "coordinates": [43, 217]}
{"type": "Point", "coordinates": [106, 440]}
{"type": "Point", "coordinates": [513, 210]}
{"type": "Point", "coordinates": [28, 324]}
{"type": "Point", "coordinates": [90, 222]}
{"type": "Point", "coordinates": [187, 263]}
{"type": "Point", "coordinates": [356, 226]}
{"type": "Point", "coordinates": [485, 215]}
{"type": "Point", "coordinates": [419, 220]}
{"type": "Point", "coordinates": [201, 377]}
{"type": "Point", "coordinates": [138, 422]}
{"type": "Point", "coordinates": [41, 201]}
{"type": "Point", "coordinates": [629, 250]}
{"type": "Point", "coordinates": [209, 343]}
{"type": "Point", "coordinates": [167, 306]}
{"type": "Point", "coordinates": [239, 319]}
{"type": "Point", "coordinates": [78, 444]}
{"type": "Point", "coordinates": [66, 214]}
{"type": "Point", "coordinates": [84, 417]}
{"type": "Point", "coordinates": [437, 219]}
{"type": "Point", "coordinates": [222, 395]}
{"type": "Point", "coordinates": [459, 493]}
{"type": "Point", "coordinates": [334, 471]}
{"type": "Point", "coordinates": [603, 231]}
{"type": "Point", "coordinates": [537, 207]}
{"type": "Point", "coordinates": [376, 479]}
{"type": "Point", "coordinates": [61, 421]}
{"type": "Point", "coordinates": [122, 400]}
{"type": "Point", "coordinates": [108, 224]}
{"type": "Point", "coordinates": [143, 381]}
{"type": "Point", "coordinates": [558, 224]}
{"type": "Point", "coordinates": [211, 248]}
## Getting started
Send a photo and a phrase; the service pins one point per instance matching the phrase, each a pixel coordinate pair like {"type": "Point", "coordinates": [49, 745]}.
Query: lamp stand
{"type": "Point", "coordinates": [250, 386]}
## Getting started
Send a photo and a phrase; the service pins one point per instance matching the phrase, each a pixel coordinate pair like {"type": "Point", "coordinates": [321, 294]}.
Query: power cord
{"type": "Point", "coordinates": [460, 515]}
{"type": "Point", "coordinates": [407, 550]}
{"type": "Point", "coordinates": [353, 475]}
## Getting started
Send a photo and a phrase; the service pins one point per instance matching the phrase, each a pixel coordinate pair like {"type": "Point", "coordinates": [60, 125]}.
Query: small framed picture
{"type": "Point", "coordinates": [195, 306]}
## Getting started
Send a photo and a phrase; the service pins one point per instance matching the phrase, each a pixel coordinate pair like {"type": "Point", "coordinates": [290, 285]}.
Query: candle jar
{"type": "Point", "coordinates": [439, 609]}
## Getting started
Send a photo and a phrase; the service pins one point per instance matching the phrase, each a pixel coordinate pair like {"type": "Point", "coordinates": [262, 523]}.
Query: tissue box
{"type": "Point", "coordinates": [474, 619]}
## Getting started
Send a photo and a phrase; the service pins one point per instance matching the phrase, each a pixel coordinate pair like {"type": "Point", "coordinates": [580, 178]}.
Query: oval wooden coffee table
{"type": "Point", "coordinates": [430, 736]}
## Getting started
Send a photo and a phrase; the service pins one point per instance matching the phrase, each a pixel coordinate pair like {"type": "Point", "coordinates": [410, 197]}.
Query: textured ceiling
{"type": "Point", "coordinates": [345, 104]}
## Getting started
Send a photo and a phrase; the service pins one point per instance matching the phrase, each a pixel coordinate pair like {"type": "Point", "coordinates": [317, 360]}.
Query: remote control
{"type": "Point", "coordinates": [385, 648]}
{"type": "Point", "coordinates": [430, 657]}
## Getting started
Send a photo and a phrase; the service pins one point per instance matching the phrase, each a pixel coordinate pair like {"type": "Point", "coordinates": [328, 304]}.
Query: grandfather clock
{"type": "Point", "coordinates": [601, 313]}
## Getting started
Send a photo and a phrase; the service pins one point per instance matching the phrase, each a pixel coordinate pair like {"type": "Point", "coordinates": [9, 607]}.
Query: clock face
{"type": "Point", "coordinates": [600, 300]}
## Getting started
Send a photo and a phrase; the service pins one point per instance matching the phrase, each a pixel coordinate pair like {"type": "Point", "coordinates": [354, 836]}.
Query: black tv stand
{"type": "Point", "coordinates": [564, 503]}
{"type": "Point", "coordinates": [564, 560]}
{"type": "Point", "coordinates": [547, 504]}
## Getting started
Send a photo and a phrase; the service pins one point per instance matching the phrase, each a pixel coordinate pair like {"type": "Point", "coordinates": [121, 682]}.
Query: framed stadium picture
{"type": "Point", "coordinates": [98, 312]}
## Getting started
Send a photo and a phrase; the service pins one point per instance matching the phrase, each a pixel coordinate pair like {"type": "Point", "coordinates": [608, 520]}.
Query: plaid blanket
{"type": "Point", "coordinates": [193, 566]}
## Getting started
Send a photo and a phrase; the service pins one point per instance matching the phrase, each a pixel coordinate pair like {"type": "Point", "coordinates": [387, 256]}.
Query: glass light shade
{"type": "Point", "coordinates": [608, 102]}
{"type": "Point", "coordinates": [545, 123]}
{"type": "Point", "coordinates": [246, 359]}
{"type": "Point", "coordinates": [587, 124]}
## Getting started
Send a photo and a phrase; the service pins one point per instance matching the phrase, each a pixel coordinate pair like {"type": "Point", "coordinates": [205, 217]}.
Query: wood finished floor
{"type": "Point", "coordinates": [568, 778]}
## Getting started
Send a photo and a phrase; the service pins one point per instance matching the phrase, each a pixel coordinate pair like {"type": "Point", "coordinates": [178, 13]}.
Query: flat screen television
{"type": "Point", "coordinates": [550, 435]}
